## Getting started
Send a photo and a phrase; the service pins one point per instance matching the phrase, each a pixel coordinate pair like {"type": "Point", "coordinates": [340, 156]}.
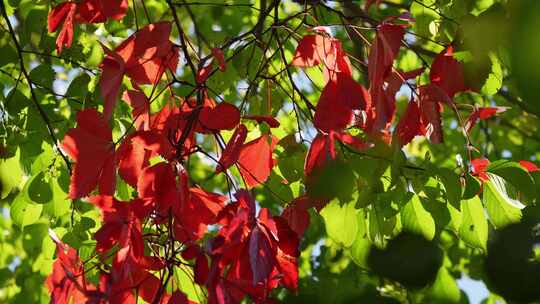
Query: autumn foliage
{"type": "Point", "coordinates": [129, 155]}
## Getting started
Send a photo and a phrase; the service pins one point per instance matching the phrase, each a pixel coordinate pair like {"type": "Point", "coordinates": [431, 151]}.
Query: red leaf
{"type": "Point", "coordinates": [157, 186]}
{"type": "Point", "coordinates": [482, 114]}
{"type": "Point", "coordinates": [132, 161]}
{"type": "Point", "coordinates": [218, 54]}
{"type": "Point", "coordinates": [109, 291]}
{"type": "Point", "coordinates": [66, 281]}
{"type": "Point", "coordinates": [255, 160]}
{"type": "Point", "coordinates": [149, 287]}
{"type": "Point", "coordinates": [397, 78]}
{"type": "Point", "coordinates": [529, 166]}
{"type": "Point", "coordinates": [208, 204]}
{"type": "Point", "coordinates": [431, 118]}
{"type": "Point", "coordinates": [144, 57]}
{"type": "Point", "coordinates": [121, 224]}
{"type": "Point", "coordinates": [58, 14]}
{"type": "Point", "coordinates": [337, 63]}
{"type": "Point", "coordinates": [231, 153]}
{"type": "Point", "coordinates": [97, 11]}
{"type": "Point", "coordinates": [447, 73]}
{"type": "Point", "coordinates": [112, 73]}
{"type": "Point", "coordinates": [90, 146]}
{"type": "Point", "coordinates": [383, 51]}
{"type": "Point", "coordinates": [265, 218]}
{"type": "Point", "coordinates": [245, 201]}
{"type": "Point", "coordinates": [261, 255]}
{"type": "Point", "coordinates": [150, 70]}
{"type": "Point", "coordinates": [129, 271]}
{"type": "Point", "coordinates": [350, 140]}
{"type": "Point", "coordinates": [271, 121]}
{"type": "Point", "coordinates": [87, 11]}
{"type": "Point", "coordinates": [201, 270]}
{"type": "Point", "coordinates": [203, 73]}
{"type": "Point", "coordinates": [258, 253]}
{"type": "Point", "coordinates": [320, 151]}
{"type": "Point", "coordinates": [196, 212]}
{"type": "Point", "coordinates": [369, 3]}
{"type": "Point", "coordinates": [431, 97]}
{"type": "Point", "coordinates": [64, 12]}
{"type": "Point", "coordinates": [297, 216]}
{"type": "Point", "coordinates": [218, 293]}
{"type": "Point", "coordinates": [382, 111]}
{"type": "Point", "coordinates": [224, 116]}
{"type": "Point", "coordinates": [136, 151]}
{"type": "Point", "coordinates": [148, 42]}
{"type": "Point", "coordinates": [191, 252]}
{"type": "Point", "coordinates": [141, 108]}
{"type": "Point", "coordinates": [337, 101]}
{"type": "Point", "coordinates": [169, 123]}
{"type": "Point", "coordinates": [314, 49]}
{"type": "Point", "coordinates": [410, 124]}
{"type": "Point", "coordinates": [287, 254]}
{"type": "Point", "coordinates": [179, 297]}
{"type": "Point", "coordinates": [311, 51]}
{"type": "Point", "coordinates": [479, 166]}
{"type": "Point", "coordinates": [329, 114]}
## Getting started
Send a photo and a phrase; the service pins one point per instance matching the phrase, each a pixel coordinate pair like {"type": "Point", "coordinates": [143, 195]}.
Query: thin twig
{"type": "Point", "coordinates": [32, 92]}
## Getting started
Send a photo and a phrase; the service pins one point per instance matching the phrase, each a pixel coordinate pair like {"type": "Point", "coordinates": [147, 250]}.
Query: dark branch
{"type": "Point", "coordinates": [32, 92]}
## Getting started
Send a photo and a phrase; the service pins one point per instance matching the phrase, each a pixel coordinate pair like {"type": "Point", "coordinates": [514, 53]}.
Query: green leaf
{"type": "Point", "coordinates": [495, 78]}
{"type": "Point", "coordinates": [184, 276]}
{"type": "Point", "coordinates": [43, 75]}
{"type": "Point", "coordinates": [219, 81]}
{"type": "Point", "coordinates": [87, 249]}
{"type": "Point", "coordinates": [472, 187]}
{"type": "Point", "coordinates": [359, 250]}
{"type": "Point", "coordinates": [33, 24]}
{"type": "Point", "coordinates": [341, 222]}
{"type": "Point", "coordinates": [14, 3]}
{"type": "Point", "coordinates": [49, 246]}
{"type": "Point", "coordinates": [9, 54]}
{"type": "Point", "coordinates": [44, 160]}
{"type": "Point", "coordinates": [525, 47]}
{"type": "Point", "coordinates": [445, 289]}
{"type": "Point", "coordinates": [514, 174]}
{"type": "Point", "coordinates": [409, 259]}
{"type": "Point", "coordinates": [378, 226]}
{"type": "Point", "coordinates": [455, 218]}
{"type": "Point", "coordinates": [474, 226]}
{"type": "Point", "coordinates": [123, 190]}
{"type": "Point", "coordinates": [33, 236]}
{"type": "Point", "coordinates": [24, 213]}
{"type": "Point", "coordinates": [59, 205]}
{"type": "Point", "coordinates": [15, 101]}
{"type": "Point", "coordinates": [10, 174]}
{"type": "Point", "coordinates": [452, 186]}
{"type": "Point", "coordinates": [502, 210]}
{"type": "Point", "coordinates": [79, 86]}
{"type": "Point", "coordinates": [440, 211]}
{"type": "Point", "coordinates": [425, 17]}
{"type": "Point", "coordinates": [291, 165]}
{"type": "Point", "coordinates": [334, 179]}
{"type": "Point", "coordinates": [38, 189]}
{"type": "Point", "coordinates": [415, 218]}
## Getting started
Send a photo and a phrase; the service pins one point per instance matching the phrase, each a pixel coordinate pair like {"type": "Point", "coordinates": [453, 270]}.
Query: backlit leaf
{"type": "Point", "coordinates": [474, 226]}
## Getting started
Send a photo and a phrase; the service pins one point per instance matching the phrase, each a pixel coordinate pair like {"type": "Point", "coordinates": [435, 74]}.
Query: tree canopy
{"type": "Point", "coordinates": [267, 151]}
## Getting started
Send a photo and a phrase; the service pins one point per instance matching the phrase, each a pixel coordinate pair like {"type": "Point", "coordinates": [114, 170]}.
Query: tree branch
{"type": "Point", "coordinates": [29, 81]}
